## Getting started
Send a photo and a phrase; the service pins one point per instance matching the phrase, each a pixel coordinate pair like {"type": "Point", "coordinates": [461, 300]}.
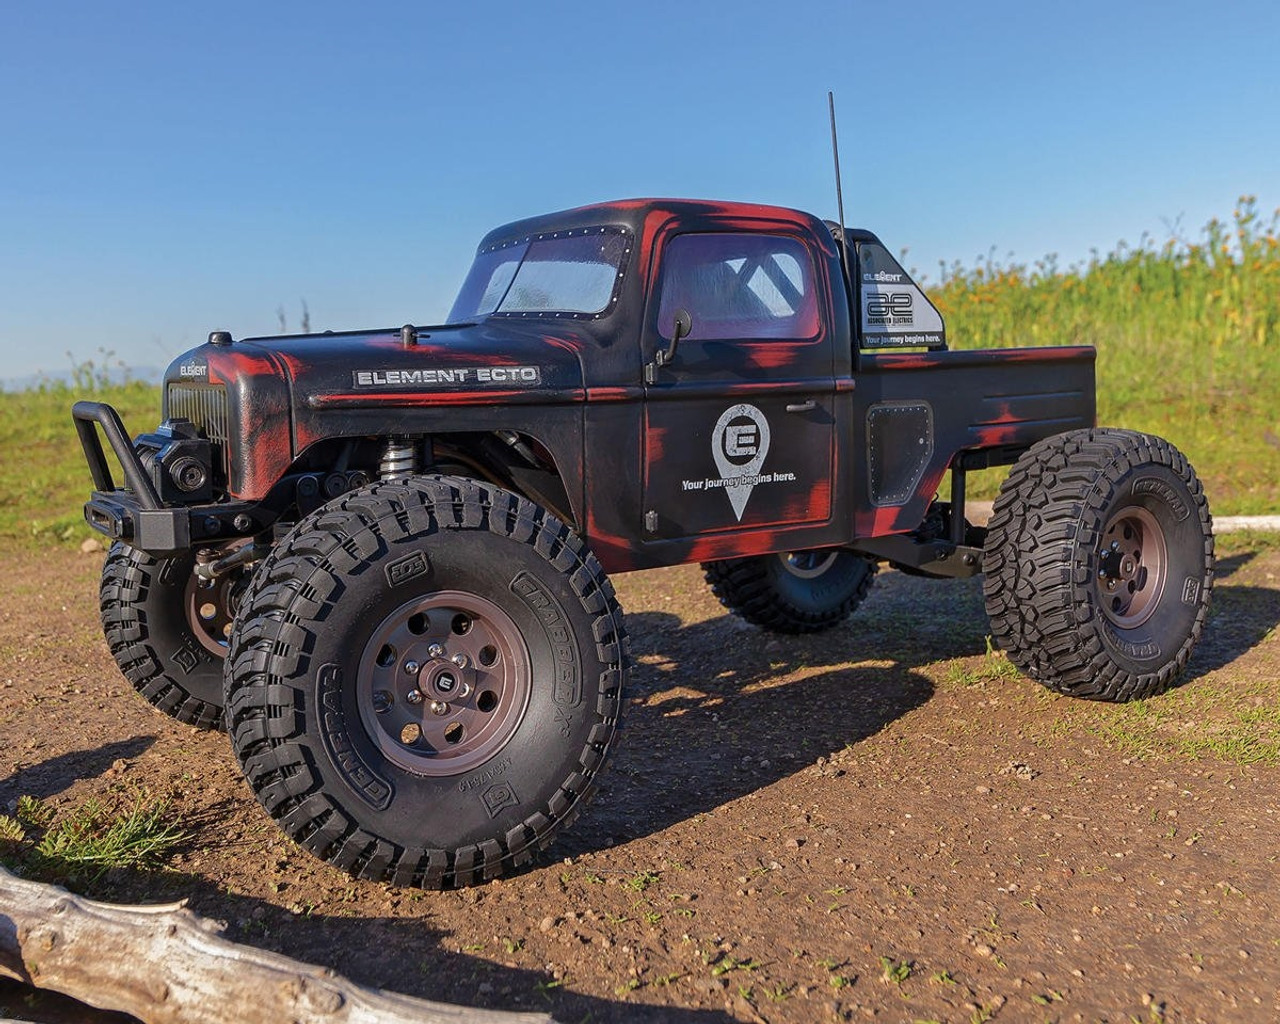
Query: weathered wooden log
{"type": "Point", "coordinates": [165, 965]}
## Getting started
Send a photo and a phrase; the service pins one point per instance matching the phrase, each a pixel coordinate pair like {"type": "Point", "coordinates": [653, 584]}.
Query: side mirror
{"type": "Point", "coordinates": [680, 329]}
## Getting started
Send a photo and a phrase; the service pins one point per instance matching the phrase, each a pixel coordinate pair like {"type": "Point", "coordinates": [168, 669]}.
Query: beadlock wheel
{"type": "Point", "coordinates": [443, 683]}
{"type": "Point", "coordinates": [1133, 565]}
{"type": "Point", "coordinates": [807, 565]}
{"type": "Point", "coordinates": [210, 605]}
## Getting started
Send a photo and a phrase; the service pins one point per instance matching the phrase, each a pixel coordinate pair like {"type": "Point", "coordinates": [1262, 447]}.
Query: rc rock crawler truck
{"type": "Point", "coordinates": [380, 557]}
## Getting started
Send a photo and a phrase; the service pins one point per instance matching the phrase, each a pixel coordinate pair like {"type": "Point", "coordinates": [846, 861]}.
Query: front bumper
{"type": "Point", "coordinates": [134, 514]}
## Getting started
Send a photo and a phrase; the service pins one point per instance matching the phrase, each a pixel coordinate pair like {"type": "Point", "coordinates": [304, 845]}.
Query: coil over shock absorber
{"type": "Point", "coordinates": [400, 459]}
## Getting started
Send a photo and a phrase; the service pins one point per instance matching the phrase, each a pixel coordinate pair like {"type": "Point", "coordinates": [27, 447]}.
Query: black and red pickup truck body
{"type": "Point", "coordinates": [809, 404]}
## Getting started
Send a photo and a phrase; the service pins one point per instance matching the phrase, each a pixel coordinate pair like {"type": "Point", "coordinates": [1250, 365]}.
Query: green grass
{"type": "Point", "coordinates": [1187, 342]}
{"type": "Point", "coordinates": [83, 843]}
{"type": "Point", "coordinates": [1240, 726]}
{"type": "Point", "coordinates": [44, 479]}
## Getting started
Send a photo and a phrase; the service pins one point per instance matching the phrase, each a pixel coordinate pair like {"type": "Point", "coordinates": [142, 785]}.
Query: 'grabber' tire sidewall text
{"type": "Point", "coordinates": [301, 687]}
{"type": "Point", "coordinates": [1099, 564]}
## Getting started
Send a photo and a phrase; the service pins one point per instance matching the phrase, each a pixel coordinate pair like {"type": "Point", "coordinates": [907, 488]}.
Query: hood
{"type": "Point", "coordinates": [264, 400]}
{"type": "Point", "coordinates": [450, 365]}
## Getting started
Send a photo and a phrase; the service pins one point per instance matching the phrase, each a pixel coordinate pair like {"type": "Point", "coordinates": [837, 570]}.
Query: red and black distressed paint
{"type": "Point", "coordinates": [713, 447]}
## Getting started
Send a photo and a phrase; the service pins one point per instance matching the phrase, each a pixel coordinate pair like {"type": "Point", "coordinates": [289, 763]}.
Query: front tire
{"type": "Point", "coordinates": [425, 681]}
{"type": "Point", "coordinates": [167, 632]}
{"type": "Point", "coordinates": [1099, 564]}
{"type": "Point", "coordinates": [793, 591]}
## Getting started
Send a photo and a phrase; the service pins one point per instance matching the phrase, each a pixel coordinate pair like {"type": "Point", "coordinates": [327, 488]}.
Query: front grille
{"type": "Point", "coordinates": [205, 405]}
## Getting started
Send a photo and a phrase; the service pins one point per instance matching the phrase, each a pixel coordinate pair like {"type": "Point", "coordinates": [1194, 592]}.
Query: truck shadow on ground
{"type": "Point", "coordinates": [49, 778]}
{"type": "Point", "coordinates": [1240, 617]}
{"type": "Point", "coordinates": [719, 709]}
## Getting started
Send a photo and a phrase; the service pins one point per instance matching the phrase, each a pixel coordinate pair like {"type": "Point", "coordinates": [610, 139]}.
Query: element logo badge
{"type": "Point", "coordinates": [739, 444]}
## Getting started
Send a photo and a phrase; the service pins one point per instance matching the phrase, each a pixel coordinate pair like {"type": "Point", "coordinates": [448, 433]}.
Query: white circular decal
{"type": "Point", "coordinates": [739, 445]}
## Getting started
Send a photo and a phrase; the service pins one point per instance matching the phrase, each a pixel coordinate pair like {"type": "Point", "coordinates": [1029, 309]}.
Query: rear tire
{"type": "Point", "coordinates": [1099, 564]}
{"type": "Point", "coordinates": [425, 681]}
{"type": "Point", "coordinates": [152, 619]}
{"type": "Point", "coordinates": [794, 591]}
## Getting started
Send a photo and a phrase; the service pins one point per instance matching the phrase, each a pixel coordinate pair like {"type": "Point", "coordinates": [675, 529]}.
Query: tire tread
{"type": "Point", "coordinates": [284, 606]}
{"type": "Point", "coordinates": [1049, 507]}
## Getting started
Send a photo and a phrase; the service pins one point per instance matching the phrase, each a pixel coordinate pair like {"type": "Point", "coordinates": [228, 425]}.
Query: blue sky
{"type": "Point", "coordinates": [170, 168]}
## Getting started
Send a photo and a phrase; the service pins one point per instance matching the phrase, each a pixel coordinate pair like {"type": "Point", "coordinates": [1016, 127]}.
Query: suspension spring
{"type": "Point", "coordinates": [399, 459]}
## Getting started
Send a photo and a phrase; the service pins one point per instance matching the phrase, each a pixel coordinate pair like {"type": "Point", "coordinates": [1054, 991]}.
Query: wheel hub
{"type": "Point", "coordinates": [1132, 567]}
{"type": "Point", "coordinates": [211, 606]}
{"type": "Point", "coordinates": [807, 565]}
{"type": "Point", "coordinates": [443, 683]}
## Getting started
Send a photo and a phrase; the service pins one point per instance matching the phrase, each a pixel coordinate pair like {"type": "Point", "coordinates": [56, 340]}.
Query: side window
{"type": "Point", "coordinates": [738, 286]}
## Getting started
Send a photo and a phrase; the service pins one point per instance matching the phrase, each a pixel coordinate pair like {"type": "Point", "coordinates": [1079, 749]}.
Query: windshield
{"type": "Point", "coordinates": [572, 273]}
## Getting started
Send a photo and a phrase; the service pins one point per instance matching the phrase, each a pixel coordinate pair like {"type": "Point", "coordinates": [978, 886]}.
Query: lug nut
{"type": "Point", "coordinates": [461, 660]}
{"type": "Point", "coordinates": [412, 667]}
{"type": "Point", "coordinates": [439, 707]}
{"type": "Point", "coordinates": [436, 651]}
{"type": "Point", "coordinates": [414, 696]}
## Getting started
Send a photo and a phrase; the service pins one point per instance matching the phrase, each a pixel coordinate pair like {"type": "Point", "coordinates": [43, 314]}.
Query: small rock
{"type": "Point", "coordinates": [546, 924]}
{"type": "Point", "coordinates": [90, 546]}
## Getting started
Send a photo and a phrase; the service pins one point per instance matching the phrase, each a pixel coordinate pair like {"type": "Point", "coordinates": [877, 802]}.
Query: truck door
{"type": "Point", "coordinates": [739, 425]}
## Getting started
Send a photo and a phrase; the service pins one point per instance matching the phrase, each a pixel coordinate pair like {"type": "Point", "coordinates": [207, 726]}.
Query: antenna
{"type": "Point", "coordinates": [835, 153]}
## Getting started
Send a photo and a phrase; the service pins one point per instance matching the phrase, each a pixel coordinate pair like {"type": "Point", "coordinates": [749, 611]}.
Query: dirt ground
{"type": "Point", "coordinates": [884, 822]}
